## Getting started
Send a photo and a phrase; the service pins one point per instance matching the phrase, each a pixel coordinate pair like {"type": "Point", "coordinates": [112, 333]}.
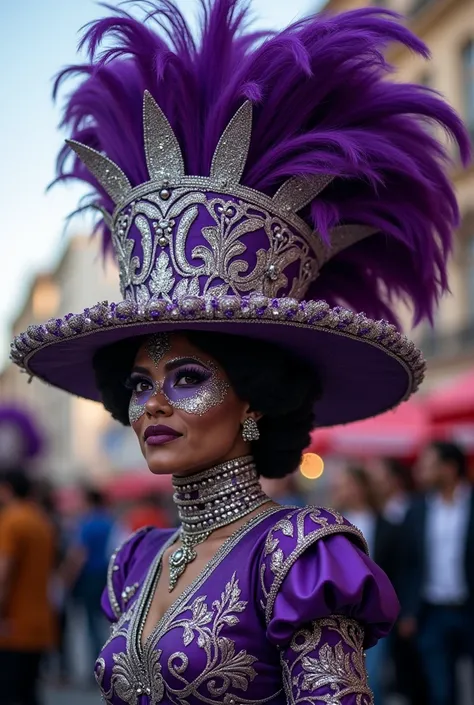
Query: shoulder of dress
{"type": "Point", "coordinates": [290, 537]}
{"type": "Point", "coordinates": [118, 566]}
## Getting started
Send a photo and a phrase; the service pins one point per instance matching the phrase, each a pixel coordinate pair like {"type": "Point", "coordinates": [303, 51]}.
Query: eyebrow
{"type": "Point", "coordinates": [141, 370]}
{"type": "Point", "coordinates": [179, 361]}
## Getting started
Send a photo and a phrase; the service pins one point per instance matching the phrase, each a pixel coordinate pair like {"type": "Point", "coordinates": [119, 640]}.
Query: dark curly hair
{"type": "Point", "coordinates": [271, 380]}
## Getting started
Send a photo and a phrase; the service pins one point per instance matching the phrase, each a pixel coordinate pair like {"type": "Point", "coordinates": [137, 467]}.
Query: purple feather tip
{"type": "Point", "coordinates": [323, 103]}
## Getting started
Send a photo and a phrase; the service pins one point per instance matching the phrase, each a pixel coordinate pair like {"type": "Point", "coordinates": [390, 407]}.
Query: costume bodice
{"type": "Point", "coordinates": [226, 637]}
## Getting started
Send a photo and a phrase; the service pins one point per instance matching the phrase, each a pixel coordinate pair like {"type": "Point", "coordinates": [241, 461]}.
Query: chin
{"type": "Point", "coordinates": [163, 460]}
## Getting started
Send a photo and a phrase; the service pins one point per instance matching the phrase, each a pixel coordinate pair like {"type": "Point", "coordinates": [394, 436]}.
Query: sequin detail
{"type": "Point", "coordinates": [135, 409]}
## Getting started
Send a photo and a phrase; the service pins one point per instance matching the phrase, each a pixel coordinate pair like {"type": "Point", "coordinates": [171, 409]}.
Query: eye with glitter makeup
{"type": "Point", "coordinates": [193, 385]}
{"type": "Point", "coordinates": [190, 376]}
{"type": "Point", "coordinates": [138, 383]}
{"type": "Point", "coordinates": [142, 388]}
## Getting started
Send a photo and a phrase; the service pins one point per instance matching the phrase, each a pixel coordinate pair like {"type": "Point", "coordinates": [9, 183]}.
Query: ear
{"type": "Point", "coordinates": [248, 413]}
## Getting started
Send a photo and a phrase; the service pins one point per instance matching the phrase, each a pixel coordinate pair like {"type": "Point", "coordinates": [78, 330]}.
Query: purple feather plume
{"type": "Point", "coordinates": [322, 104]}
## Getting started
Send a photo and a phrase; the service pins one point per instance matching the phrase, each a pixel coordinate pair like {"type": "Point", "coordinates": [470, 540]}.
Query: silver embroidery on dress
{"type": "Point", "coordinates": [137, 671]}
{"type": "Point", "coordinates": [280, 564]}
{"type": "Point", "coordinates": [225, 668]}
{"type": "Point", "coordinates": [315, 672]}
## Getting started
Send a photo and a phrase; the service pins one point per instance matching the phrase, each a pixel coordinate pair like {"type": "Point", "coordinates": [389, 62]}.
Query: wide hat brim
{"type": "Point", "coordinates": [366, 367]}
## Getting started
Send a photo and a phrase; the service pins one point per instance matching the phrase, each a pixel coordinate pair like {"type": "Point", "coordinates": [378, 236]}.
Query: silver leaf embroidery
{"type": "Point", "coordinates": [316, 672]}
{"type": "Point", "coordinates": [162, 279]}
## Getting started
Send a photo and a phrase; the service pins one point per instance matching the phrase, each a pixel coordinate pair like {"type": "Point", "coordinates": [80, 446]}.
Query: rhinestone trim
{"type": "Point", "coordinates": [313, 315]}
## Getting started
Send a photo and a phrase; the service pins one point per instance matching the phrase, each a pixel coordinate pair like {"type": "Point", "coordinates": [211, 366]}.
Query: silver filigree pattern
{"type": "Point", "coordinates": [305, 527]}
{"type": "Point", "coordinates": [161, 262]}
{"type": "Point", "coordinates": [137, 671]}
{"type": "Point", "coordinates": [316, 672]}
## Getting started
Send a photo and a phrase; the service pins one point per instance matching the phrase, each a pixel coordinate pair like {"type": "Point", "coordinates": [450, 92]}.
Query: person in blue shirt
{"type": "Point", "coordinates": [85, 567]}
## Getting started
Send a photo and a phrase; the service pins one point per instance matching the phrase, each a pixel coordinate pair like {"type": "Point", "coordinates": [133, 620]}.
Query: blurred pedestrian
{"type": "Point", "coordinates": [27, 552]}
{"type": "Point", "coordinates": [355, 496]}
{"type": "Point", "coordinates": [394, 484]}
{"type": "Point", "coordinates": [44, 494]}
{"type": "Point", "coordinates": [284, 490]}
{"type": "Point", "coordinates": [84, 570]}
{"type": "Point", "coordinates": [438, 586]}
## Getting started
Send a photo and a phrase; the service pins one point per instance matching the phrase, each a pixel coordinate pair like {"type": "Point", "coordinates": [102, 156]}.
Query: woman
{"type": "Point", "coordinates": [269, 173]}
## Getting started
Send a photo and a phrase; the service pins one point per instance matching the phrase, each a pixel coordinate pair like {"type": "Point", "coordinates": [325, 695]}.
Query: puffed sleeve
{"type": "Point", "coordinates": [325, 601]}
{"type": "Point", "coordinates": [120, 565]}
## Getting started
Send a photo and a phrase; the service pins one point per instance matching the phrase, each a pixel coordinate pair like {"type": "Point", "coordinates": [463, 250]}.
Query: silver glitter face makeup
{"type": "Point", "coordinates": [135, 410]}
{"type": "Point", "coordinates": [138, 400]}
{"type": "Point", "coordinates": [157, 346]}
{"type": "Point", "coordinates": [207, 391]}
{"type": "Point", "coordinates": [195, 386]}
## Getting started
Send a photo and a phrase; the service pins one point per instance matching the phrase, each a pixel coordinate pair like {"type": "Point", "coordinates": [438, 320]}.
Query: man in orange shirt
{"type": "Point", "coordinates": [27, 552]}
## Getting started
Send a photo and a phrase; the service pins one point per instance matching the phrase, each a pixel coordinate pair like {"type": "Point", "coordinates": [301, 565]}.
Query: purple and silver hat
{"type": "Point", "coordinates": [270, 186]}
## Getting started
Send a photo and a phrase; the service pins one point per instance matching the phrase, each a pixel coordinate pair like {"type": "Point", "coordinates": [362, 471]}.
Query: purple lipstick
{"type": "Point", "coordinates": [159, 435]}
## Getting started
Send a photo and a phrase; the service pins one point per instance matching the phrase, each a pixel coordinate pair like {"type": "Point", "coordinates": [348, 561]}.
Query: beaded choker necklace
{"type": "Point", "coordinates": [211, 499]}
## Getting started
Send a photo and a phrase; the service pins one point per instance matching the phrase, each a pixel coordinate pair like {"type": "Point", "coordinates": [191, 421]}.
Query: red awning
{"type": "Point", "coordinates": [454, 401]}
{"type": "Point", "coordinates": [400, 433]}
{"type": "Point", "coordinates": [135, 484]}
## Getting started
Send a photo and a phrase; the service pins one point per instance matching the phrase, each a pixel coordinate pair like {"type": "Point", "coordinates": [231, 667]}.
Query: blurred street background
{"type": "Point", "coordinates": [378, 472]}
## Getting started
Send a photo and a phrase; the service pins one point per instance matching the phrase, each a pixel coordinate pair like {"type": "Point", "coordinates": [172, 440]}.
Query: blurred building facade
{"type": "Point", "coordinates": [447, 27]}
{"type": "Point", "coordinates": [83, 442]}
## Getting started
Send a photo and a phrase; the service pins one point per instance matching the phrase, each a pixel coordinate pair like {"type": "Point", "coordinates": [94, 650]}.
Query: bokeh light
{"type": "Point", "coordinates": [312, 466]}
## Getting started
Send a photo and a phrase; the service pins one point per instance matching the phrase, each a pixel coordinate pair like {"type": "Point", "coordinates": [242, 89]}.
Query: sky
{"type": "Point", "coordinates": [38, 38]}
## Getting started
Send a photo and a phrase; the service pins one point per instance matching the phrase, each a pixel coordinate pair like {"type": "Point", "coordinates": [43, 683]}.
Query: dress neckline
{"type": "Point", "coordinates": [153, 575]}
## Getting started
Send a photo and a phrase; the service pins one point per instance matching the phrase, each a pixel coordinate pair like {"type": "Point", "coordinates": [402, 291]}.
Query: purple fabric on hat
{"type": "Point", "coordinates": [214, 641]}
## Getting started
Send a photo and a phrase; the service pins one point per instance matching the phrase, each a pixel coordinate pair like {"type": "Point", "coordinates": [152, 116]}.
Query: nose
{"type": "Point", "coordinates": [158, 405]}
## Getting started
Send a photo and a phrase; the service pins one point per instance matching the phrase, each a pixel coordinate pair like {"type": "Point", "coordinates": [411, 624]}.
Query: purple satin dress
{"type": "Point", "coordinates": [281, 614]}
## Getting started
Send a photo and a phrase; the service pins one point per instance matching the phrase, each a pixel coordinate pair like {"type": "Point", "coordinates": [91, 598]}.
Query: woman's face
{"type": "Point", "coordinates": [185, 413]}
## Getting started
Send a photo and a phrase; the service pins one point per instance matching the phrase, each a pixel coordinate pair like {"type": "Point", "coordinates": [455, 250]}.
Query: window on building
{"type": "Point", "coordinates": [467, 57]}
